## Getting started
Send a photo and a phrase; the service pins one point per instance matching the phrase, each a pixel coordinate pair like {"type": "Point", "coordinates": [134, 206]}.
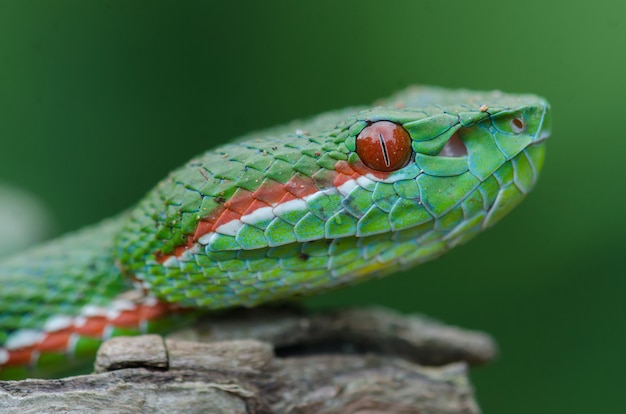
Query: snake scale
{"type": "Point", "coordinates": [313, 205]}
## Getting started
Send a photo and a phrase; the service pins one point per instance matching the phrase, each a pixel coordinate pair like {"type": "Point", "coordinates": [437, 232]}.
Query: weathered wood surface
{"type": "Point", "coordinates": [365, 361]}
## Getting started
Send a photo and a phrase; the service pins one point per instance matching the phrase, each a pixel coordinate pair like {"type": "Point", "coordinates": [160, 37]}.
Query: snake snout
{"type": "Point", "coordinates": [545, 128]}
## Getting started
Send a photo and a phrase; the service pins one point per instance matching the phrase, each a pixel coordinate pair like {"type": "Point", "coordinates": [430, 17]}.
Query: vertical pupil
{"type": "Point", "coordinates": [384, 149]}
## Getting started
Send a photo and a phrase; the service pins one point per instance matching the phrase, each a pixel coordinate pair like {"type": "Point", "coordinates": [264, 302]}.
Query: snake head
{"type": "Point", "coordinates": [460, 145]}
{"type": "Point", "coordinates": [336, 199]}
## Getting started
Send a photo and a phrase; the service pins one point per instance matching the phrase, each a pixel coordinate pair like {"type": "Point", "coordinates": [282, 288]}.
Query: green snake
{"type": "Point", "coordinates": [313, 205]}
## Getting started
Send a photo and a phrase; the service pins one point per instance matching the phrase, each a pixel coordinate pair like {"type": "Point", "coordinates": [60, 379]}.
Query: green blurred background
{"type": "Point", "coordinates": [100, 99]}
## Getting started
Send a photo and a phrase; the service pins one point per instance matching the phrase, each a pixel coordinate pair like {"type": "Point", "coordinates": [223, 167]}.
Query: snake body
{"type": "Point", "coordinates": [276, 214]}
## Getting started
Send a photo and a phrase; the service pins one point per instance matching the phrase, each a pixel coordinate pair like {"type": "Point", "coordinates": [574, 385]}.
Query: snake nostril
{"type": "Point", "coordinates": [518, 125]}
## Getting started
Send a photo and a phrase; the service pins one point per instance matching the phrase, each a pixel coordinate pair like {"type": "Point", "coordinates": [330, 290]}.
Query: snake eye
{"type": "Point", "coordinates": [384, 146]}
{"type": "Point", "coordinates": [518, 125]}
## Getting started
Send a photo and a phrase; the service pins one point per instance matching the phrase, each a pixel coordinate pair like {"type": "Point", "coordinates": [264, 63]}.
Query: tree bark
{"type": "Point", "coordinates": [274, 360]}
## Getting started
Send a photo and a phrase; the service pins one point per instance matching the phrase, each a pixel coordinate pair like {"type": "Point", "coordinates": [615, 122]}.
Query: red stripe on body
{"type": "Point", "coordinates": [357, 169]}
{"type": "Point", "coordinates": [93, 327]}
{"type": "Point", "coordinates": [127, 319]}
{"type": "Point", "coordinates": [301, 186]}
{"type": "Point", "coordinates": [55, 341]}
{"type": "Point", "coordinates": [156, 311]}
{"type": "Point", "coordinates": [182, 249]}
{"type": "Point", "coordinates": [135, 317]}
{"type": "Point", "coordinates": [255, 205]}
{"type": "Point", "coordinates": [225, 217]}
{"type": "Point", "coordinates": [270, 193]}
{"type": "Point", "coordinates": [240, 201]}
{"type": "Point", "coordinates": [243, 202]}
{"type": "Point", "coordinates": [21, 356]}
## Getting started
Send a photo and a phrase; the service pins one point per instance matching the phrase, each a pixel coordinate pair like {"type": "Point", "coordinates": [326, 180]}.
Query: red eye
{"type": "Point", "coordinates": [384, 146]}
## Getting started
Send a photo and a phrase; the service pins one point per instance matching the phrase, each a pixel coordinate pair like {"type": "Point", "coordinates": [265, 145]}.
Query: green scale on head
{"type": "Point", "coordinates": [305, 207]}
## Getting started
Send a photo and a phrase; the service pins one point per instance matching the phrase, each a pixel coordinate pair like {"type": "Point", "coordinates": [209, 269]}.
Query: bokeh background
{"type": "Point", "coordinates": [100, 99]}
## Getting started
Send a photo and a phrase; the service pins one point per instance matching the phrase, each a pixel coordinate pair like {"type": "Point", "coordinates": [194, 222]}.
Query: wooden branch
{"type": "Point", "coordinates": [352, 361]}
